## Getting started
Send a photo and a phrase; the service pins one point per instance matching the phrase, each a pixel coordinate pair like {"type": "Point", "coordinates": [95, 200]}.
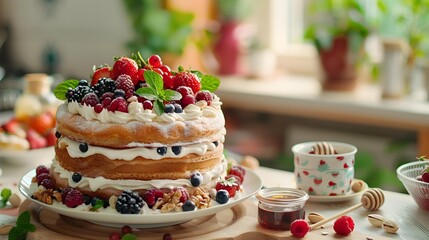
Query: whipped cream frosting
{"type": "Point", "coordinates": [137, 113]}
{"type": "Point", "coordinates": [210, 178]}
{"type": "Point", "coordinates": [129, 154]}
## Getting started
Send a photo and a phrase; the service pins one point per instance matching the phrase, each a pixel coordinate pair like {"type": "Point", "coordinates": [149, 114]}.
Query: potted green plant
{"type": "Point", "coordinates": [338, 29]}
{"type": "Point", "coordinates": [158, 30]}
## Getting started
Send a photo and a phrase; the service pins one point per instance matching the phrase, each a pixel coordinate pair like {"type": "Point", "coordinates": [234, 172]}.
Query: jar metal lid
{"type": "Point", "coordinates": [281, 196]}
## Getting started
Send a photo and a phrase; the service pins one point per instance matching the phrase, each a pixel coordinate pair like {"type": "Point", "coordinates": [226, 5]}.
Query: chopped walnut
{"type": "Point", "coordinates": [44, 196]}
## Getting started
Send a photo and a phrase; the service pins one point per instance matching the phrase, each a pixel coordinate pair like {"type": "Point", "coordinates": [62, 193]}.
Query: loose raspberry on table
{"type": "Point", "coordinates": [73, 198]}
{"type": "Point", "coordinates": [204, 95]}
{"type": "Point", "coordinates": [187, 79]}
{"type": "Point", "coordinates": [344, 225]}
{"type": "Point", "coordinates": [125, 83]}
{"type": "Point", "coordinates": [90, 99]}
{"type": "Point", "coordinates": [299, 228]}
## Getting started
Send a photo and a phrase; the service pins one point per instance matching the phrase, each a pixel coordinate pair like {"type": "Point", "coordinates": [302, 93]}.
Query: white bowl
{"type": "Point", "coordinates": [419, 190]}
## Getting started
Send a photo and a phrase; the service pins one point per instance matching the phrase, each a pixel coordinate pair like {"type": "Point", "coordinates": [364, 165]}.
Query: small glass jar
{"type": "Point", "coordinates": [278, 207]}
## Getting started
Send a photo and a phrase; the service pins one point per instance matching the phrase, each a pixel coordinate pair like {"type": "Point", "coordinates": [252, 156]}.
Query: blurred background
{"type": "Point", "coordinates": [338, 44]}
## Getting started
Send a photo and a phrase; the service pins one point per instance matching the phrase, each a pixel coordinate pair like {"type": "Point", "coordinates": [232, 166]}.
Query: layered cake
{"type": "Point", "coordinates": [140, 131]}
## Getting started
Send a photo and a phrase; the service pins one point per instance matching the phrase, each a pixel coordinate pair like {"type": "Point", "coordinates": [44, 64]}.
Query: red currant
{"type": "Point", "coordinates": [115, 236]}
{"type": "Point", "coordinates": [155, 61]}
{"type": "Point", "coordinates": [147, 105]}
{"type": "Point", "coordinates": [159, 71]}
{"type": "Point", "coordinates": [126, 229]}
{"type": "Point", "coordinates": [425, 177]}
{"type": "Point", "coordinates": [166, 69]}
{"type": "Point", "coordinates": [140, 74]}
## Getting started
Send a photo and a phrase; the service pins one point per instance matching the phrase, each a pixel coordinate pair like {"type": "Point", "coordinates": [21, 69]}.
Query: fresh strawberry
{"type": "Point", "coordinates": [42, 123]}
{"type": "Point", "coordinates": [234, 170]}
{"type": "Point", "coordinates": [50, 137]}
{"type": "Point", "coordinates": [14, 127]}
{"type": "Point", "coordinates": [101, 73]}
{"type": "Point", "coordinates": [126, 66]}
{"type": "Point", "coordinates": [237, 178]}
{"type": "Point", "coordinates": [229, 185]}
{"type": "Point", "coordinates": [187, 79]}
{"type": "Point", "coordinates": [35, 139]}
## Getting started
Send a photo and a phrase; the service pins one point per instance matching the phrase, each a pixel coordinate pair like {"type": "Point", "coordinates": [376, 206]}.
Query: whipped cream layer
{"type": "Point", "coordinates": [137, 113]}
{"type": "Point", "coordinates": [129, 154]}
{"type": "Point", "coordinates": [210, 178]}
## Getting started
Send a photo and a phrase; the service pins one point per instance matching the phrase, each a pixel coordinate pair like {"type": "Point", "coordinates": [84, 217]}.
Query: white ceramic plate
{"type": "Point", "coordinates": [251, 185]}
{"type": "Point", "coordinates": [24, 156]}
{"type": "Point", "coordinates": [338, 198]}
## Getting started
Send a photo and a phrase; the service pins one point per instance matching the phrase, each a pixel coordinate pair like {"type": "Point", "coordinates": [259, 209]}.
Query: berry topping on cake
{"type": "Point", "coordinates": [161, 150]}
{"type": "Point", "coordinates": [125, 83]}
{"type": "Point", "coordinates": [73, 198]}
{"type": "Point", "coordinates": [299, 228]}
{"type": "Point", "coordinates": [187, 100]}
{"type": "Point", "coordinates": [118, 104]}
{"type": "Point", "coordinates": [83, 147]}
{"type": "Point", "coordinates": [48, 183]}
{"type": "Point", "coordinates": [196, 179]}
{"type": "Point", "coordinates": [129, 202]}
{"type": "Point", "coordinates": [204, 95]}
{"type": "Point", "coordinates": [76, 177]}
{"type": "Point", "coordinates": [176, 149]}
{"type": "Point", "coordinates": [100, 73]}
{"type": "Point", "coordinates": [90, 99]}
{"type": "Point", "coordinates": [184, 194]}
{"type": "Point", "coordinates": [42, 177]}
{"type": "Point", "coordinates": [344, 225]}
{"type": "Point", "coordinates": [155, 61]}
{"type": "Point", "coordinates": [151, 196]}
{"type": "Point", "coordinates": [126, 66]}
{"type": "Point", "coordinates": [188, 79]}
{"type": "Point", "coordinates": [169, 108]}
{"type": "Point", "coordinates": [41, 169]}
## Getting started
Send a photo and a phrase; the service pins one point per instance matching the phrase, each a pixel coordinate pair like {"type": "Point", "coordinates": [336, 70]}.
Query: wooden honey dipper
{"type": "Point", "coordinates": [372, 200]}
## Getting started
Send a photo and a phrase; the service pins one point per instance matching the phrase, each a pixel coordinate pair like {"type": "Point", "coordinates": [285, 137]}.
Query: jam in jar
{"type": "Point", "coordinates": [278, 207]}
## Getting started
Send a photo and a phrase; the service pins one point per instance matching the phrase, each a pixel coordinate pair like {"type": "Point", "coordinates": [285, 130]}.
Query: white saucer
{"type": "Point", "coordinates": [251, 185]}
{"type": "Point", "coordinates": [338, 198]}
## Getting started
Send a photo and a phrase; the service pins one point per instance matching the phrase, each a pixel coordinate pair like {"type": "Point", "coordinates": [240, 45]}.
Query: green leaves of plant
{"type": "Point", "coordinates": [155, 91]}
{"type": "Point", "coordinates": [61, 89]}
{"type": "Point", "coordinates": [23, 226]}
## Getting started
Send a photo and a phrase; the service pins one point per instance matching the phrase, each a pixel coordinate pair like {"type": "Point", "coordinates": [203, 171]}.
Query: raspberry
{"type": "Point", "coordinates": [48, 183]}
{"type": "Point", "coordinates": [64, 193]}
{"type": "Point", "coordinates": [118, 104]}
{"type": "Point", "coordinates": [126, 229]}
{"type": "Point", "coordinates": [183, 90]}
{"type": "Point", "coordinates": [109, 95]}
{"type": "Point", "coordinates": [74, 198]}
{"type": "Point", "coordinates": [204, 95]}
{"type": "Point", "coordinates": [152, 195]}
{"type": "Point", "coordinates": [90, 99]}
{"type": "Point", "coordinates": [344, 225]}
{"type": "Point", "coordinates": [147, 104]}
{"type": "Point", "coordinates": [41, 169]}
{"type": "Point", "coordinates": [42, 177]}
{"type": "Point", "coordinates": [125, 83]}
{"type": "Point", "coordinates": [106, 102]}
{"type": "Point", "coordinates": [299, 228]}
{"type": "Point", "coordinates": [187, 100]}
{"type": "Point", "coordinates": [184, 193]}
{"type": "Point", "coordinates": [187, 79]}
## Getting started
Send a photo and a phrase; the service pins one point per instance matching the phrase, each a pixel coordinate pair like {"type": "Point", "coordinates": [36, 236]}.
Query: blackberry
{"type": "Point", "coordinates": [104, 85]}
{"type": "Point", "coordinates": [129, 203]}
{"type": "Point", "coordinates": [78, 93]}
{"type": "Point", "coordinates": [83, 82]}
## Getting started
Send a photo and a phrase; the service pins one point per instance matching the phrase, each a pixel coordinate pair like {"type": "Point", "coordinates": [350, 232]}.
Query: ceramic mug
{"type": "Point", "coordinates": [324, 175]}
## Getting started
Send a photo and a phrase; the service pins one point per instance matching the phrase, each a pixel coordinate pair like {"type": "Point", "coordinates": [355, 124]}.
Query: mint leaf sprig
{"type": "Point", "coordinates": [5, 195]}
{"type": "Point", "coordinates": [99, 203]}
{"type": "Point", "coordinates": [62, 88]}
{"type": "Point", "coordinates": [23, 226]}
{"type": "Point", "coordinates": [155, 91]}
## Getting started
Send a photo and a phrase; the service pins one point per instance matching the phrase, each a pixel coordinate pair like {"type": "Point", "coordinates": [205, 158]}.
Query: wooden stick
{"type": "Point", "coordinates": [326, 220]}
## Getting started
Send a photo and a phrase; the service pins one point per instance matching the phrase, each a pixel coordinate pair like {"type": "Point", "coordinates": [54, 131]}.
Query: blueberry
{"type": "Point", "coordinates": [169, 108]}
{"type": "Point", "coordinates": [178, 108]}
{"type": "Point", "coordinates": [76, 177]}
{"type": "Point", "coordinates": [83, 147]}
{"type": "Point", "coordinates": [161, 150]}
{"type": "Point", "coordinates": [216, 143]}
{"type": "Point", "coordinates": [87, 199]}
{"type": "Point", "coordinates": [196, 179]}
{"type": "Point", "coordinates": [57, 134]}
{"type": "Point", "coordinates": [222, 196]}
{"type": "Point", "coordinates": [188, 205]}
{"type": "Point", "coordinates": [177, 149]}
{"type": "Point", "coordinates": [119, 93]}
